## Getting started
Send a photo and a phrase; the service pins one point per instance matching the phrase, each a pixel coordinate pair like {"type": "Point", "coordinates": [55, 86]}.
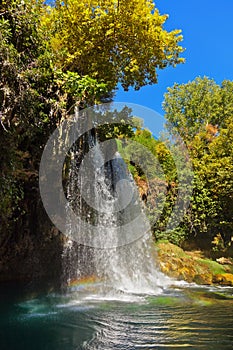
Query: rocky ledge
{"type": "Point", "coordinates": [193, 266]}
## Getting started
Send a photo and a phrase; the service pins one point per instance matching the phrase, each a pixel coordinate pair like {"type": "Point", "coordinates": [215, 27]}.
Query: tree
{"type": "Point", "coordinates": [25, 100]}
{"type": "Point", "coordinates": [112, 41]}
{"type": "Point", "coordinates": [202, 113]}
{"type": "Point", "coordinates": [190, 107]}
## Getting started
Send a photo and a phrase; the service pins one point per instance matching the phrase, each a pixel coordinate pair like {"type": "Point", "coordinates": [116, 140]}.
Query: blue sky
{"type": "Point", "coordinates": [207, 27]}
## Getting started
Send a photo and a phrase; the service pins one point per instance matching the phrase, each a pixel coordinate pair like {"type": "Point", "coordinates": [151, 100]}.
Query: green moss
{"type": "Point", "coordinates": [165, 247]}
{"type": "Point", "coordinates": [215, 268]}
{"type": "Point", "coordinates": [191, 266]}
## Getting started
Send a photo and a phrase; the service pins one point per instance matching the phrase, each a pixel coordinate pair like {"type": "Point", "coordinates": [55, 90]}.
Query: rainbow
{"type": "Point", "coordinates": [84, 283]}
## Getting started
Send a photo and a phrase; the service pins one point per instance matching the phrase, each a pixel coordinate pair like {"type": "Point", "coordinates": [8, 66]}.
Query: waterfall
{"type": "Point", "coordinates": [102, 192]}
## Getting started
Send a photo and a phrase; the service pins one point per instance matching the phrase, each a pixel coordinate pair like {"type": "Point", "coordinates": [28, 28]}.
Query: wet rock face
{"type": "Point", "coordinates": [32, 248]}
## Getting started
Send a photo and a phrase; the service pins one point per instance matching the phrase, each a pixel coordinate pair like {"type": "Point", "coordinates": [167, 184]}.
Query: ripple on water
{"type": "Point", "coordinates": [178, 318]}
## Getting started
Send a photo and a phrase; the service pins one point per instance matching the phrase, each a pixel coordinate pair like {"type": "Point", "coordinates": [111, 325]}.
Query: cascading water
{"type": "Point", "coordinates": [111, 204]}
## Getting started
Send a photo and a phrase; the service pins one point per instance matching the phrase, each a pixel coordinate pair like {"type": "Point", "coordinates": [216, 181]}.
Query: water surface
{"type": "Point", "coordinates": [182, 318]}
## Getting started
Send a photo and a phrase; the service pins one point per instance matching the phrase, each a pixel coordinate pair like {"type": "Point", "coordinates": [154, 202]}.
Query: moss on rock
{"type": "Point", "coordinates": [191, 266]}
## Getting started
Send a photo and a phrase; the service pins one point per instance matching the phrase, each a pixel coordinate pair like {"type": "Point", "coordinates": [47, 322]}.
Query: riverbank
{"type": "Point", "coordinates": [193, 266]}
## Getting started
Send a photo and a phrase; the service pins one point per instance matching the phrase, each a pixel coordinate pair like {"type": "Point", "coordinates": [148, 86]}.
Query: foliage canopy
{"type": "Point", "coordinates": [112, 41]}
{"type": "Point", "coordinates": [201, 111]}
